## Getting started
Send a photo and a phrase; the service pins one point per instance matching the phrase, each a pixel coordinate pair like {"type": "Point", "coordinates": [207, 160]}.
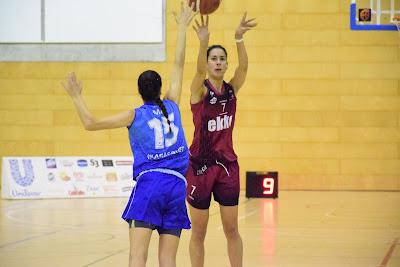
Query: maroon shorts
{"type": "Point", "coordinates": [221, 180]}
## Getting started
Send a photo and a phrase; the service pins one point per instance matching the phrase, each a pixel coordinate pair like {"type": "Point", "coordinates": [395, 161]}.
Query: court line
{"type": "Point", "coordinates": [9, 215]}
{"type": "Point", "coordinates": [127, 249]}
{"type": "Point", "coordinates": [389, 254]}
{"type": "Point", "coordinates": [106, 257]}
{"type": "Point", "coordinates": [22, 223]}
{"type": "Point", "coordinates": [29, 238]}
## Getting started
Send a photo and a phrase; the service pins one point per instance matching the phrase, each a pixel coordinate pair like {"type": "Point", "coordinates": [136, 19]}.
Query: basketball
{"type": "Point", "coordinates": [364, 14]}
{"type": "Point", "coordinates": [207, 6]}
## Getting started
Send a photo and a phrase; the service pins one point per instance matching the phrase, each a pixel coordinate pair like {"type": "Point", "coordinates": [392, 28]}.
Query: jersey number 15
{"type": "Point", "coordinates": [162, 136]}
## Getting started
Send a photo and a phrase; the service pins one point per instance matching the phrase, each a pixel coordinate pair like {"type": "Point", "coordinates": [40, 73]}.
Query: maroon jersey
{"type": "Point", "coordinates": [214, 118]}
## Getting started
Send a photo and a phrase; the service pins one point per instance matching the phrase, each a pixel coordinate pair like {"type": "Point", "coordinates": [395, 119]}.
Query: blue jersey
{"type": "Point", "coordinates": [154, 145]}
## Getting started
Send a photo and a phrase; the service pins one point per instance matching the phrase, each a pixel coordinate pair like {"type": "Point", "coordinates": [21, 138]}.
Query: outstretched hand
{"type": "Point", "coordinates": [202, 29]}
{"type": "Point", "coordinates": [187, 14]}
{"type": "Point", "coordinates": [72, 85]}
{"type": "Point", "coordinates": [244, 26]}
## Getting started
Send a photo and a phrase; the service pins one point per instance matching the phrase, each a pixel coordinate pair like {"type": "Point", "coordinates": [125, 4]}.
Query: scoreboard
{"type": "Point", "coordinates": [262, 184]}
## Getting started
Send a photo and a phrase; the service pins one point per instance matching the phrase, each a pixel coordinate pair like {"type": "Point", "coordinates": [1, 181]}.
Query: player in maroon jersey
{"type": "Point", "coordinates": [213, 168]}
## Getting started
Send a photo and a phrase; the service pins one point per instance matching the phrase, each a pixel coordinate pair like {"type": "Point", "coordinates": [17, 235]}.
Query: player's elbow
{"type": "Point", "coordinates": [90, 125]}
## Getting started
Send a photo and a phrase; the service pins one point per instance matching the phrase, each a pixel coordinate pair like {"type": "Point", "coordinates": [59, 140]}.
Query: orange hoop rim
{"type": "Point", "coordinates": [396, 21]}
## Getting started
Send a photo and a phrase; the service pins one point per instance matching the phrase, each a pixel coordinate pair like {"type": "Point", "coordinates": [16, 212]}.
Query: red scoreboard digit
{"type": "Point", "coordinates": [262, 184]}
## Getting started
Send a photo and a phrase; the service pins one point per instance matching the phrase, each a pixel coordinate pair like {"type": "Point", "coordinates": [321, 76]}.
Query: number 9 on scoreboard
{"type": "Point", "coordinates": [262, 184]}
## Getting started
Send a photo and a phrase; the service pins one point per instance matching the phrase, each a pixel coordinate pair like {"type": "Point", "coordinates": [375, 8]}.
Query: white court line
{"type": "Point", "coordinates": [9, 215]}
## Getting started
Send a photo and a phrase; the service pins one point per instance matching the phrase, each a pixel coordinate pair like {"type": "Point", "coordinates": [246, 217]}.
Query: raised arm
{"type": "Point", "coordinates": [74, 89]}
{"type": "Point", "coordinates": [196, 88]}
{"type": "Point", "coordinates": [183, 20]}
{"type": "Point", "coordinates": [241, 71]}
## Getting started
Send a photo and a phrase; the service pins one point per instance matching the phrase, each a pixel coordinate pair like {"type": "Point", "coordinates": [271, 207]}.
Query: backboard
{"type": "Point", "coordinates": [374, 15]}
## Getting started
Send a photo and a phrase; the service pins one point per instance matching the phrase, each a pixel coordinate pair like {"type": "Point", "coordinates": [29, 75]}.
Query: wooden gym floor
{"type": "Point", "coordinates": [299, 229]}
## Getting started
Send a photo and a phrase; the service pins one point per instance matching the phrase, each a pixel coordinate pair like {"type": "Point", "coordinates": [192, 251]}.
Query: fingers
{"type": "Point", "coordinates": [73, 77]}
{"type": "Point", "coordinates": [175, 16]}
{"type": "Point", "coordinates": [198, 5]}
{"type": "Point", "coordinates": [192, 5]}
{"type": "Point", "coordinates": [193, 15]}
{"type": "Point", "coordinates": [244, 16]}
{"type": "Point", "coordinates": [204, 24]}
{"type": "Point", "coordinates": [197, 23]}
{"type": "Point", "coordinates": [247, 23]}
{"type": "Point", "coordinates": [250, 20]}
{"type": "Point", "coordinates": [252, 25]}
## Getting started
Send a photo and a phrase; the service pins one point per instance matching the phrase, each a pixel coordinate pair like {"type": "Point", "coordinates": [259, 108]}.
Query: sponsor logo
{"type": "Point", "coordinates": [123, 162]}
{"type": "Point", "coordinates": [111, 177]}
{"type": "Point", "coordinates": [165, 154]}
{"type": "Point", "coordinates": [67, 163]}
{"type": "Point", "coordinates": [220, 123]}
{"type": "Point", "coordinates": [82, 163]}
{"type": "Point", "coordinates": [126, 176]}
{"type": "Point", "coordinates": [126, 189]}
{"type": "Point", "coordinates": [107, 163]}
{"type": "Point", "coordinates": [94, 176]}
{"type": "Point", "coordinates": [201, 170]}
{"type": "Point", "coordinates": [51, 163]}
{"type": "Point", "coordinates": [110, 189]}
{"type": "Point", "coordinates": [22, 180]}
{"type": "Point", "coordinates": [24, 193]}
{"type": "Point", "coordinates": [92, 189]}
{"type": "Point", "coordinates": [213, 100]}
{"type": "Point", "coordinates": [79, 176]}
{"type": "Point", "coordinates": [76, 192]}
{"type": "Point", "coordinates": [232, 96]}
{"type": "Point", "coordinates": [64, 176]}
{"type": "Point", "coordinates": [51, 177]}
{"type": "Point", "coordinates": [94, 163]}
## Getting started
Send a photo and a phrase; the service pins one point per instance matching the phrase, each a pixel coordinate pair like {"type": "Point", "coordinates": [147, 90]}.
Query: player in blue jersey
{"type": "Point", "coordinates": [160, 154]}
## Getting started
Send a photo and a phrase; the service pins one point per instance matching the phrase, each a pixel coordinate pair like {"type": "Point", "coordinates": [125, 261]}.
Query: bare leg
{"type": "Point", "coordinates": [167, 249]}
{"type": "Point", "coordinates": [139, 246]}
{"type": "Point", "coordinates": [229, 217]}
{"type": "Point", "coordinates": [199, 220]}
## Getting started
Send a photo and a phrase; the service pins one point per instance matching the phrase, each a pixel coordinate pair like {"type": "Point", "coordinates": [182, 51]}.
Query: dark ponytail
{"type": "Point", "coordinates": [164, 111]}
{"type": "Point", "coordinates": [149, 83]}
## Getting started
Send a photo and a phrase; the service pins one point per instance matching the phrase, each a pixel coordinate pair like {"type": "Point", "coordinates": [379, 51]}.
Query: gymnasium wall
{"type": "Point", "coordinates": [321, 104]}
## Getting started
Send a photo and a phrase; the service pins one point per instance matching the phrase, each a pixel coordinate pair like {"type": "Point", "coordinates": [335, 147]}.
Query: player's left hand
{"type": "Point", "coordinates": [72, 85]}
{"type": "Point", "coordinates": [187, 14]}
{"type": "Point", "coordinates": [244, 26]}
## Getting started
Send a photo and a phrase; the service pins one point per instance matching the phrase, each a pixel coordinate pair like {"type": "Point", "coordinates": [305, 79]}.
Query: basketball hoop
{"type": "Point", "coordinates": [396, 21]}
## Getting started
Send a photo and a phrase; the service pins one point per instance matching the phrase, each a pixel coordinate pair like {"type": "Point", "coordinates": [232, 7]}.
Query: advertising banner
{"type": "Point", "coordinates": [66, 177]}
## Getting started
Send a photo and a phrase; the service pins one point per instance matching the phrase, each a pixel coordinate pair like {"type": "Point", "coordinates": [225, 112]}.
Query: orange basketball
{"type": "Point", "coordinates": [207, 6]}
{"type": "Point", "coordinates": [365, 15]}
